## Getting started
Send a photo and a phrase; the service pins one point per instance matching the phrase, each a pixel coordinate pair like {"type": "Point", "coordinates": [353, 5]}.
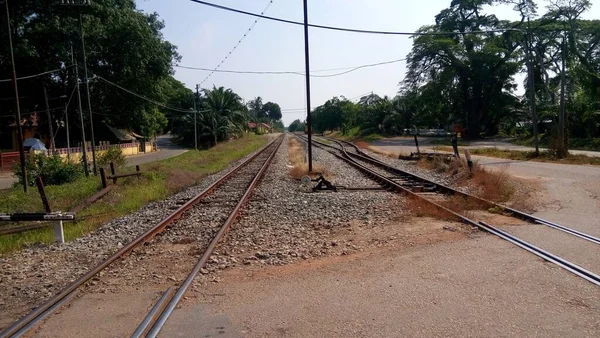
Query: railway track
{"type": "Point", "coordinates": [435, 194]}
{"type": "Point", "coordinates": [220, 203]}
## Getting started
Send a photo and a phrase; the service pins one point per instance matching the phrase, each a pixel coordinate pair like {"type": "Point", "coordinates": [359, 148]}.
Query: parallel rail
{"type": "Point", "coordinates": [30, 320]}
{"type": "Point", "coordinates": [346, 157]}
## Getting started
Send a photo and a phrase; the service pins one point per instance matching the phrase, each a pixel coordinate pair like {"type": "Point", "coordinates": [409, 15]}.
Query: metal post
{"type": "Point", "coordinates": [83, 146]}
{"type": "Point", "coordinates": [87, 85]}
{"type": "Point", "coordinates": [50, 128]}
{"type": "Point", "coordinates": [113, 172]}
{"type": "Point", "coordinates": [306, 60]}
{"type": "Point", "coordinates": [195, 114]}
{"type": "Point", "coordinates": [417, 144]}
{"type": "Point", "coordinates": [17, 105]}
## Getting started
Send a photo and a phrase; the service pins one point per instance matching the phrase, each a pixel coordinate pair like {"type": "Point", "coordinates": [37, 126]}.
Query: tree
{"type": "Point", "coordinates": [255, 108]}
{"type": "Point", "coordinates": [296, 125]}
{"type": "Point", "coordinates": [272, 111]}
{"type": "Point", "coordinates": [223, 114]}
{"type": "Point", "coordinates": [123, 45]}
{"type": "Point", "coordinates": [475, 69]}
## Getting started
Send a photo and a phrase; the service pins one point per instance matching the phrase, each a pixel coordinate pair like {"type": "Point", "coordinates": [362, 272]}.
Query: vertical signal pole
{"type": "Point", "coordinates": [195, 114]}
{"type": "Point", "coordinates": [306, 60]}
{"type": "Point", "coordinates": [17, 106]}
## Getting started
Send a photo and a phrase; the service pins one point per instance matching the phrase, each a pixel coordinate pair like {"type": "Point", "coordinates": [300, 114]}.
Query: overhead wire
{"type": "Point", "coordinates": [143, 97]}
{"type": "Point", "coordinates": [36, 75]}
{"type": "Point", "coordinates": [353, 30]}
{"type": "Point", "coordinates": [350, 70]}
{"type": "Point", "coordinates": [238, 43]}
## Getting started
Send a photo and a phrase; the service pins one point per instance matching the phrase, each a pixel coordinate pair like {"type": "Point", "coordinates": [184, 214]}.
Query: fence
{"type": "Point", "coordinates": [8, 160]}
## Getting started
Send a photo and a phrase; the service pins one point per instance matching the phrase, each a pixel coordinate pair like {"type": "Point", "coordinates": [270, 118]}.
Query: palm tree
{"type": "Point", "coordinates": [223, 113]}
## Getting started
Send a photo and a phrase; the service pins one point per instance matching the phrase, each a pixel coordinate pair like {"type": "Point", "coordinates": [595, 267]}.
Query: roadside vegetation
{"type": "Point", "coordinates": [467, 83]}
{"type": "Point", "coordinates": [159, 180]}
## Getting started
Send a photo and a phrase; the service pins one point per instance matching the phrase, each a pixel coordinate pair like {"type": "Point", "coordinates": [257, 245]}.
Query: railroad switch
{"type": "Point", "coordinates": [323, 184]}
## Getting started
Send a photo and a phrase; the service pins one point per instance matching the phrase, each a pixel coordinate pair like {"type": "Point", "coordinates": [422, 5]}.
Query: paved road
{"type": "Point", "coordinates": [404, 144]}
{"type": "Point", "coordinates": [166, 149]}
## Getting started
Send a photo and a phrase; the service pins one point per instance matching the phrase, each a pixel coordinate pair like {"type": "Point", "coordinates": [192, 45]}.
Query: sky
{"type": "Point", "coordinates": [205, 35]}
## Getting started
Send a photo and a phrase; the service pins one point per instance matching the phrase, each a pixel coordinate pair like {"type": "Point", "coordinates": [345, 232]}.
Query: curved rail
{"type": "Point", "coordinates": [569, 266]}
{"type": "Point", "coordinates": [31, 319]}
{"type": "Point", "coordinates": [361, 155]}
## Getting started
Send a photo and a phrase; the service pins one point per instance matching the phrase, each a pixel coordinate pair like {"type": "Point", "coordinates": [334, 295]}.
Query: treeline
{"type": "Point", "coordinates": [469, 80]}
{"type": "Point", "coordinates": [124, 46]}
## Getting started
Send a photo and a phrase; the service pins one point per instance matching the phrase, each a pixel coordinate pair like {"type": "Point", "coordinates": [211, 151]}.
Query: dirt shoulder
{"type": "Point", "coordinates": [482, 287]}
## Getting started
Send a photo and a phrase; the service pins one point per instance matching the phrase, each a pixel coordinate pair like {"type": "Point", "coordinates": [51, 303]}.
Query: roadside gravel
{"type": "Point", "coordinates": [36, 273]}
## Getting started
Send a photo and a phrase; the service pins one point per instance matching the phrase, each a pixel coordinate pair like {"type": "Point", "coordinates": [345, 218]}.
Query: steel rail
{"type": "Point", "coordinates": [520, 214]}
{"type": "Point", "coordinates": [54, 303]}
{"type": "Point", "coordinates": [158, 325]}
{"type": "Point", "coordinates": [571, 267]}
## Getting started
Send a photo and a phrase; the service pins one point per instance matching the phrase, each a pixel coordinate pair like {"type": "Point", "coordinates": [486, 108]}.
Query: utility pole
{"type": "Point", "coordinates": [67, 128]}
{"type": "Point", "coordinates": [50, 128]}
{"type": "Point", "coordinates": [17, 105]}
{"type": "Point", "coordinates": [195, 117]}
{"type": "Point", "coordinates": [562, 152]}
{"type": "Point", "coordinates": [528, 44]}
{"type": "Point", "coordinates": [83, 145]}
{"type": "Point", "coordinates": [306, 61]}
{"type": "Point", "coordinates": [87, 86]}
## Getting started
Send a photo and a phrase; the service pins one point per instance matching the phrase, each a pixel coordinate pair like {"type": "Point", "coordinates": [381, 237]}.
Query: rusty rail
{"type": "Point", "coordinates": [27, 322]}
{"type": "Point", "coordinates": [211, 247]}
{"type": "Point", "coordinates": [569, 266]}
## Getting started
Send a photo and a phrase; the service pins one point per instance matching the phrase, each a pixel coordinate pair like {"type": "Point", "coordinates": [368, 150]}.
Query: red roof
{"type": "Point", "coordinates": [266, 125]}
{"type": "Point", "coordinates": [251, 125]}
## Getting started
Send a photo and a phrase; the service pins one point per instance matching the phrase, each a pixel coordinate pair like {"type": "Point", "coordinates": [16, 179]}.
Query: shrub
{"type": "Point", "coordinates": [52, 169]}
{"type": "Point", "coordinates": [114, 155]}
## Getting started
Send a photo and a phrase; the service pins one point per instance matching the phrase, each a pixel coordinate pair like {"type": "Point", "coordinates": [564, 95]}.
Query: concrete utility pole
{"type": "Point", "coordinates": [307, 63]}
{"type": "Point", "coordinates": [50, 128]}
{"type": "Point", "coordinates": [89, 99]}
{"type": "Point", "coordinates": [83, 146]}
{"type": "Point", "coordinates": [195, 117]}
{"type": "Point", "coordinates": [17, 105]}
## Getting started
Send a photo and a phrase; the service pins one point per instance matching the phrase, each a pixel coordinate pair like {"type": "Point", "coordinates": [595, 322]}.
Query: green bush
{"type": "Point", "coordinates": [52, 169]}
{"type": "Point", "coordinates": [114, 155]}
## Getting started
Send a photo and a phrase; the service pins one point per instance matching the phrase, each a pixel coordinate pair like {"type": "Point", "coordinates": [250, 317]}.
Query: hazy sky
{"type": "Point", "coordinates": [204, 35]}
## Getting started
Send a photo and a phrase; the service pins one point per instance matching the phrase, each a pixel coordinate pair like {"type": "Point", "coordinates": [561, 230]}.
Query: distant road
{"type": "Point", "coordinates": [407, 145]}
{"type": "Point", "coordinates": [166, 149]}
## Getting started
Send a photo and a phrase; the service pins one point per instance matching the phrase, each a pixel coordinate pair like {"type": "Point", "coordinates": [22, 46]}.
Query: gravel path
{"type": "Point", "coordinates": [34, 274]}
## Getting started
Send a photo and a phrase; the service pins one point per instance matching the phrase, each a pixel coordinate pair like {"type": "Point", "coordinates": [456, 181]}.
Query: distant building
{"type": "Point", "coordinates": [259, 128]}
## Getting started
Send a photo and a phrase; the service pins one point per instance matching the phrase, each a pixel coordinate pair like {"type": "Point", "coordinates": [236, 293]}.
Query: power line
{"type": "Point", "coordinates": [351, 69]}
{"type": "Point", "coordinates": [237, 44]}
{"type": "Point", "coordinates": [143, 97]}
{"type": "Point", "coordinates": [349, 29]}
{"type": "Point", "coordinates": [36, 75]}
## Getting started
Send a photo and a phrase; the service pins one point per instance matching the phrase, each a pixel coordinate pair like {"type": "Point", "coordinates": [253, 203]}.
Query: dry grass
{"type": "Point", "coordinates": [493, 185]}
{"type": "Point", "coordinates": [297, 157]}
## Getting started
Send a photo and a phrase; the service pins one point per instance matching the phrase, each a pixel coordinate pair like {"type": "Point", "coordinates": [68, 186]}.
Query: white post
{"type": "Point", "coordinates": [59, 234]}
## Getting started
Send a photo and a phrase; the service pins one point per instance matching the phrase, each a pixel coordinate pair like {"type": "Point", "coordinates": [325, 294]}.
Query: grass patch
{"type": "Point", "coordinates": [159, 180]}
{"type": "Point", "coordinates": [296, 156]}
